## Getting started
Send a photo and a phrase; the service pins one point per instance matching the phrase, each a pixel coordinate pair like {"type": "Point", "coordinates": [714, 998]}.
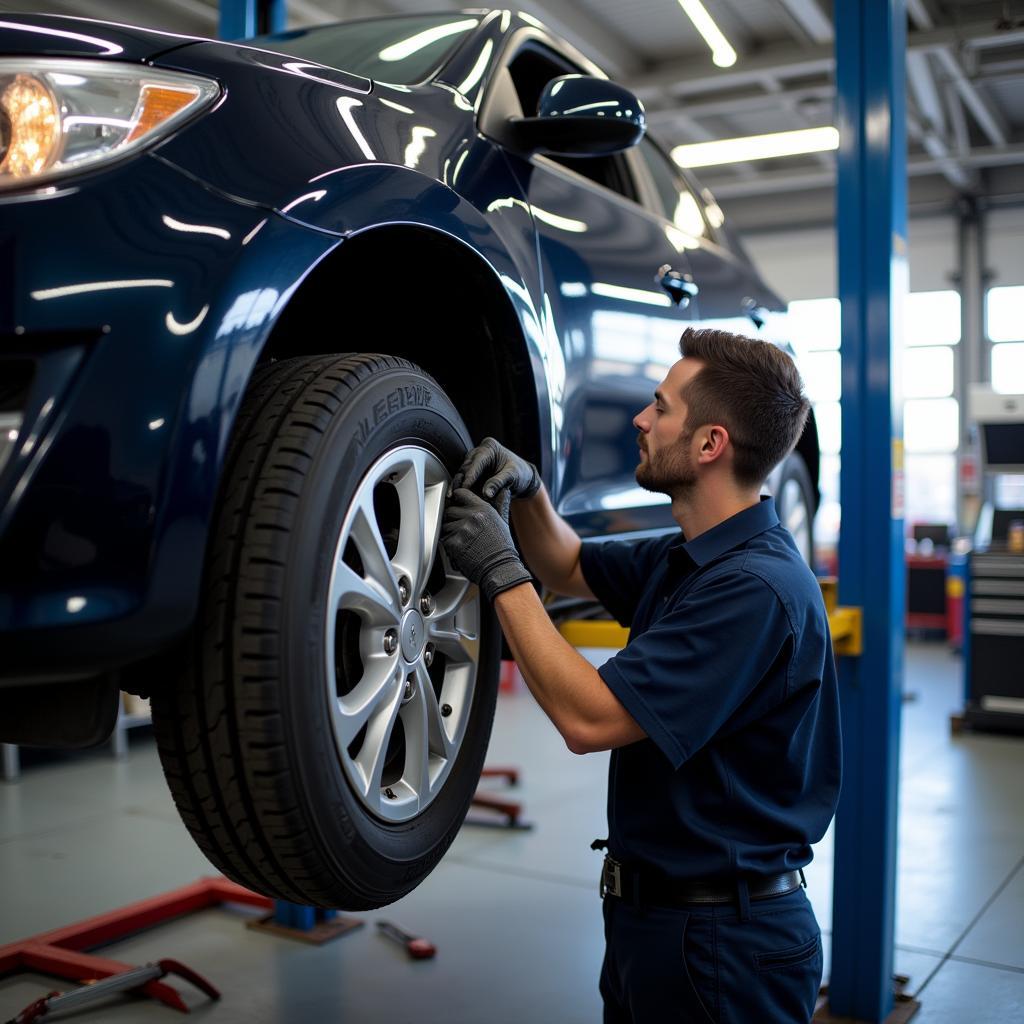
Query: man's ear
{"type": "Point", "coordinates": [714, 442]}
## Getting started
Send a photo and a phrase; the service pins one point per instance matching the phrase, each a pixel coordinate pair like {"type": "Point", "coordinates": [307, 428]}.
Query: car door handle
{"type": "Point", "coordinates": [680, 287]}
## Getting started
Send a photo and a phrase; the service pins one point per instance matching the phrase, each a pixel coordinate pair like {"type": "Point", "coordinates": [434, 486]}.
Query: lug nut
{"type": "Point", "coordinates": [391, 641]}
{"type": "Point", "coordinates": [428, 655]}
{"type": "Point", "coordinates": [404, 590]}
{"type": "Point", "coordinates": [446, 710]}
{"type": "Point", "coordinates": [426, 604]}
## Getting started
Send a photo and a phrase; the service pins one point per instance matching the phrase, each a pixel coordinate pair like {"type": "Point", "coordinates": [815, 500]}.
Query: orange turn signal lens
{"type": "Point", "coordinates": [34, 127]}
{"type": "Point", "coordinates": [157, 103]}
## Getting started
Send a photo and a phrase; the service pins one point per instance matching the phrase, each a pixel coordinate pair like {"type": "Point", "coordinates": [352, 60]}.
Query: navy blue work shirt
{"type": "Point", "coordinates": [730, 672]}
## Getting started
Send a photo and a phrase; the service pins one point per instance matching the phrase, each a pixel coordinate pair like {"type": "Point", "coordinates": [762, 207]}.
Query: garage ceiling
{"type": "Point", "coordinates": [965, 86]}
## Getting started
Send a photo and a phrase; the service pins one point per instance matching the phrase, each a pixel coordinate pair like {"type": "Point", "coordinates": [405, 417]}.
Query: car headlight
{"type": "Point", "coordinates": [61, 116]}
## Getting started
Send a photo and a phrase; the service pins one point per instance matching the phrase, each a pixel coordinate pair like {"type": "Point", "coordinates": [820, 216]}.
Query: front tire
{"type": "Point", "coordinates": [327, 739]}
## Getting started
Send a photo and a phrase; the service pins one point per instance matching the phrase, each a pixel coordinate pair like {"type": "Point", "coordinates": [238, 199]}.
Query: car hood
{"type": "Point", "coordinates": [46, 35]}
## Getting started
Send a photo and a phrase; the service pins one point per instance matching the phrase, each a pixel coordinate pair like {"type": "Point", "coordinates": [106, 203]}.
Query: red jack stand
{"type": "Point", "coordinates": [509, 809]}
{"type": "Point", "coordinates": [60, 952]}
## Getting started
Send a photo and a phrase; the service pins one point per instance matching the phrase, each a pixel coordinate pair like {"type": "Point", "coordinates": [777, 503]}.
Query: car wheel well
{"type": "Point", "coordinates": [412, 292]}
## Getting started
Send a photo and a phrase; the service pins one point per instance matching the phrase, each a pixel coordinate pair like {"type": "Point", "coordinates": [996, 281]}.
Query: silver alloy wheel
{"type": "Point", "coordinates": [796, 517]}
{"type": "Point", "coordinates": [398, 728]}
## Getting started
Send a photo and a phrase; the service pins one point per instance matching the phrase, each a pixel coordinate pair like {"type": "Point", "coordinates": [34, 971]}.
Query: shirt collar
{"type": "Point", "coordinates": [728, 534]}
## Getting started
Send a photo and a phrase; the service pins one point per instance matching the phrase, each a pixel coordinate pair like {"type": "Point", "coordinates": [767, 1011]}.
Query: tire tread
{"type": "Point", "coordinates": [249, 824]}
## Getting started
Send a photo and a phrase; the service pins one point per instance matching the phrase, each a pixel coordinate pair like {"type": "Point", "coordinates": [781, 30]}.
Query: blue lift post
{"type": "Point", "coordinates": [872, 229]}
{"type": "Point", "coordinates": [240, 19]}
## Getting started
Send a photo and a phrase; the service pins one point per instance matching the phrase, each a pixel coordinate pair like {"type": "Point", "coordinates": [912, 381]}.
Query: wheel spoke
{"type": "Point", "coordinates": [417, 745]}
{"type": "Point", "coordinates": [373, 753]}
{"type": "Point", "coordinates": [356, 708]}
{"type": "Point", "coordinates": [365, 580]}
{"type": "Point", "coordinates": [350, 591]}
{"type": "Point", "coordinates": [437, 735]}
{"type": "Point", "coordinates": [365, 534]}
{"type": "Point", "coordinates": [420, 524]}
{"type": "Point", "coordinates": [456, 592]}
{"type": "Point", "coordinates": [459, 646]}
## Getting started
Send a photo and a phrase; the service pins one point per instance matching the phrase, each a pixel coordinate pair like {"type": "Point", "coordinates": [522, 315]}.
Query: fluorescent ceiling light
{"type": "Point", "coordinates": [721, 52]}
{"type": "Point", "coordinates": [757, 147]}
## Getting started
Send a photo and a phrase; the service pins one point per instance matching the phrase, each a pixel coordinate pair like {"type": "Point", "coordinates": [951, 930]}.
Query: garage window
{"type": "Point", "coordinates": [1004, 308]}
{"type": "Point", "coordinates": [930, 413]}
{"type": "Point", "coordinates": [1004, 315]}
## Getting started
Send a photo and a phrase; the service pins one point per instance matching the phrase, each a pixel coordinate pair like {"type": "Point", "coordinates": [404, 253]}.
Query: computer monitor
{"type": "Point", "coordinates": [1000, 420]}
{"type": "Point", "coordinates": [937, 533]}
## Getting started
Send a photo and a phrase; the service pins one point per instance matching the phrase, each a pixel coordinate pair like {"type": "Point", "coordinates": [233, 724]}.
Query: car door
{"type": "Point", "coordinates": [731, 296]}
{"type": "Point", "coordinates": [600, 252]}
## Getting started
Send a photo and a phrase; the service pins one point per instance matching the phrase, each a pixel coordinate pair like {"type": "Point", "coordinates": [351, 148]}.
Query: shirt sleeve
{"type": "Point", "coordinates": [685, 676]}
{"type": "Point", "coordinates": [617, 572]}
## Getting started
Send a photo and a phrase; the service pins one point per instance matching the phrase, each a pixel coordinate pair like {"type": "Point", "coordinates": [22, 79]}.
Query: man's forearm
{"type": "Point", "coordinates": [549, 545]}
{"type": "Point", "coordinates": [568, 688]}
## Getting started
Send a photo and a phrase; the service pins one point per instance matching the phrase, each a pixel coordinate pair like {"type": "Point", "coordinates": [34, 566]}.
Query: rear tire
{"type": "Point", "coordinates": [794, 501]}
{"type": "Point", "coordinates": [259, 738]}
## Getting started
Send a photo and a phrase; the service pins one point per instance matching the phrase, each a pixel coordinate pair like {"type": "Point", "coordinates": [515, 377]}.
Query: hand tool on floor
{"type": "Point", "coordinates": [123, 982]}
{"type": "Point", "coordinates": [418, 949]}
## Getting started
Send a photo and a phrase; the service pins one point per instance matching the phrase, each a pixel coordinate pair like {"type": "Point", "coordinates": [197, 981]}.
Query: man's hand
{"type": "Point", "coordinates": [500, 469]}
{"type": "Point", "coordinates": [479, 542]}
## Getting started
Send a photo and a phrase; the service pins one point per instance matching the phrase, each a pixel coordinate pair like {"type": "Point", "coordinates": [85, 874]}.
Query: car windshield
{"type": "Point", "coordinates": [403, 50]}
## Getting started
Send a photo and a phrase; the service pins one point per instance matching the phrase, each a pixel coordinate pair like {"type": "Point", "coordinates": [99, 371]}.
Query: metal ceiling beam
{"type": "Point", "coordinates": [686, 76]}
{"type": "Point", "coordinates": [744, 103]}
{"type": "Point", "coordinates": [926, 93]}
{"type": "Point", "coordinates": [941, 151]}
{"type": "Point", "coordinates": [957, 119]}
{"type": "Point", "coordinates": [991, 122]}
{"type": "Point", "coordinates": [680, 77]}
{"type": "Point", "coordinates": [810, 17]}
{"type": "Point", "coordinates": [787, 181]}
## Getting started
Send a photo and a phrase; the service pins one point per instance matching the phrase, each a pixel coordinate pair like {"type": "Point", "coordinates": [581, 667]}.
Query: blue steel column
{"type": "Point", "coordinates": [240, 19]}
{"type": "Point", "coordinates": [871, 216]}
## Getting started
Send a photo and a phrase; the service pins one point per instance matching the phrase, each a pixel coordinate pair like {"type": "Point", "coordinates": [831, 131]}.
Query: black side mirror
{"type": "Point", "coordinates": [581, 116]}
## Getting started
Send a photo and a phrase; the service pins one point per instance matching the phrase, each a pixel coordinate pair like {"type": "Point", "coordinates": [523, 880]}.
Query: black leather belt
{"type": "Point", "coordinates": [649, 889]}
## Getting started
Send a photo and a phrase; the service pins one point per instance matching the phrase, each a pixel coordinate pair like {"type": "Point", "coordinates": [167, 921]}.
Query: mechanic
{"type": "Point", "coordinates": [722, 710]}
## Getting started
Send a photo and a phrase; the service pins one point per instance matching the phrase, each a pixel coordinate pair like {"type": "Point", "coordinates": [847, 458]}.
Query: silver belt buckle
{"type": "Point", "coordinates": [611, 878]}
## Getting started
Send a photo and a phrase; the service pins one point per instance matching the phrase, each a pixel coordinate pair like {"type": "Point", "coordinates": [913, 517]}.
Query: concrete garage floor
{"type": "Point", "coordinates": [515, 915]}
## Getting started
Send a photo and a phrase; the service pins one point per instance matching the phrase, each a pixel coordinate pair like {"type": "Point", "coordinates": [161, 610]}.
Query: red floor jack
{"type": "Point", "coordinates": [61, 952]}
{"type": "Point", "coordinates": [509, 810]}
{"type": "Point", "coordinates": [136, 978]}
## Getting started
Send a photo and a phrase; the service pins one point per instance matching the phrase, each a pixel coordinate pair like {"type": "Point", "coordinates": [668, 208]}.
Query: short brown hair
{"type": "Point", "coordinates": [754, 390]}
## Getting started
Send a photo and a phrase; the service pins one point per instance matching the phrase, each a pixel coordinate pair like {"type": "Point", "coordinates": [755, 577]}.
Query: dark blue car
{"type": "Point", "coordinates": [256, 301]}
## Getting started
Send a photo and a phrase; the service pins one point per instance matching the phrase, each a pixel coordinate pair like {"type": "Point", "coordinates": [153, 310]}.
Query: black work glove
{"type": "Point", "coordinates": [479, 543]}
{"type": "Point", "coordinates": [500, 469]}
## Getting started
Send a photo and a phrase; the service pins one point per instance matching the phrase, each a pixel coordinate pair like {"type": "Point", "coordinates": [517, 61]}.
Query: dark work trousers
{"type": "Point", "coordinates": [702, 964]}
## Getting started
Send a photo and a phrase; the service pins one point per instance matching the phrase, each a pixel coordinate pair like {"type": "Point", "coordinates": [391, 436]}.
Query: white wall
{"type": "Point", "coordinates": [1005, 254]}
{"type": "Point", "coordinates": [802, 264]}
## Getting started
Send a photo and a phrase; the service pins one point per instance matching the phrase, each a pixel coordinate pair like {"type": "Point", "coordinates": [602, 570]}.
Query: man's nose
{"type": "Point", "coordinates": [640, 422]}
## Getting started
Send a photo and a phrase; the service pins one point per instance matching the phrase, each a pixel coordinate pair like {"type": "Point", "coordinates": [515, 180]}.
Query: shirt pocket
{"type": "Point", "coordinates": [793, 956]}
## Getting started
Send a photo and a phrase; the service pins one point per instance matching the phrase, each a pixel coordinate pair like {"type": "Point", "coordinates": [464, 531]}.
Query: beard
{"type": "Point", "coordinates": [671, 470]}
